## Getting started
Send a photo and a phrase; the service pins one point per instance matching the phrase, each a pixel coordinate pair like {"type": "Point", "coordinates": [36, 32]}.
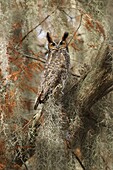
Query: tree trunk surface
{"type": "Point", "coordinates": [75, 132]}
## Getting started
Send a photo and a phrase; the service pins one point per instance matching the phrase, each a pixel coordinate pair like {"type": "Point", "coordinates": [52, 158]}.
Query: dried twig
{"type": "Point", "coordinates": [78, 159]}
{"type": "Point", "coordinates": [80, 162]}
{"type": "Point", "coordinates": [35, 28]}
{"type": "Point", "coordinates": [24, 55]}
{"type": "Point", "coordinates": [76, 30]}
{"type": "Point", "coordinates": [67, 14]}
{"type": "Point", "coordinates": [24, 164]}
{"type": "Point", "coordinates": [38, 59]}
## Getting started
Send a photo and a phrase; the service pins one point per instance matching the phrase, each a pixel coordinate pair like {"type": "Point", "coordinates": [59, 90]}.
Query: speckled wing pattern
{"type": "Point", "coordinates": [55, 72]}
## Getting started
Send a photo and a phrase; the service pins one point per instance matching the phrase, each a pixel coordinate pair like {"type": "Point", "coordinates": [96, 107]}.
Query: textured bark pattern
{"type": "Point", "coordinates": [77, 132]}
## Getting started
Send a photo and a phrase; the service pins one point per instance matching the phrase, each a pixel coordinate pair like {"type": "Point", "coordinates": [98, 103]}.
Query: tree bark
{"type": "Point", "coordinates": [89, 90]}
{"type": "Point", "coordinates": [72, 133]}
{"type": "Point", "coordinates": [97, 81]}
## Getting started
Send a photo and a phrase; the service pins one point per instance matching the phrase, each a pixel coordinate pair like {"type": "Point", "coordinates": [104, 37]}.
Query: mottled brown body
{"type": "Point", "coordinates": [56, 68]}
